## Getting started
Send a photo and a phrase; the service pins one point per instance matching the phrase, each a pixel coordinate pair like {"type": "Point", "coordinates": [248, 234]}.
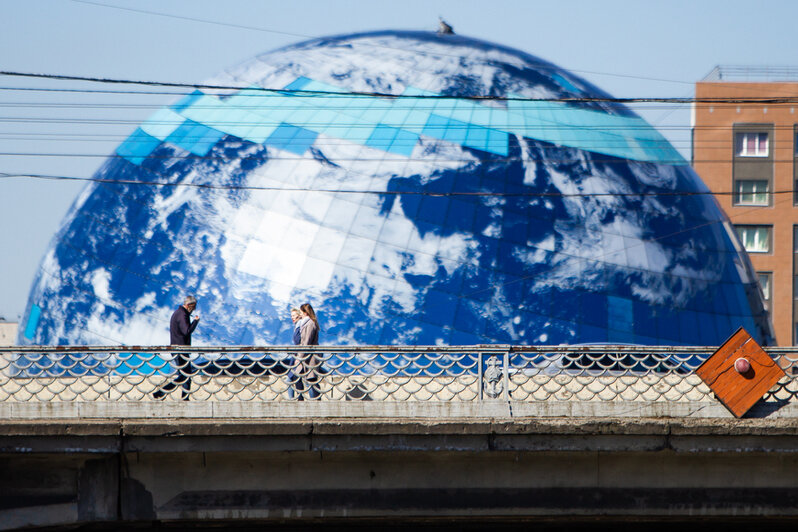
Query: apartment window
{"type": "Point", "coordinates": [765, 283]}
{"type": "Point", "coordinates": [755, 238]}
{"type": "Point", "coordinates": [751, 192]}
{"type": "Point", "coordinates": [751, 144]}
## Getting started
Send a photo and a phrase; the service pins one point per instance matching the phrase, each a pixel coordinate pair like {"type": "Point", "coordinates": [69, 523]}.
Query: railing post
{"type": "Point", "coordinates": [506, 371]}
{"type": "Point", "coordinates": [480, 376]}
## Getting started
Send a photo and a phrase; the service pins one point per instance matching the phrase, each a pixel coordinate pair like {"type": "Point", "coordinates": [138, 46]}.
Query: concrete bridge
{"type": "Point", "coordinates": [573, 459]}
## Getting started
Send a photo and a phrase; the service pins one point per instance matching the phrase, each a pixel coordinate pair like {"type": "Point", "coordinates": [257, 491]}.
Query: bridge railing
{"type": "Point", "coordinates": [376, 373]}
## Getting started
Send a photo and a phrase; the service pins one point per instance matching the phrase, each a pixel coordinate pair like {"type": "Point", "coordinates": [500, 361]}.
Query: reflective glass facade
{"type": "Point", "coordinates": [429, 217]}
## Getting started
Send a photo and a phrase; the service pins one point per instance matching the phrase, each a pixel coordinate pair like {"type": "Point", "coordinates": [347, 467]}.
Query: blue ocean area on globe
{"type": "Point", "coordinates": [416, 189]}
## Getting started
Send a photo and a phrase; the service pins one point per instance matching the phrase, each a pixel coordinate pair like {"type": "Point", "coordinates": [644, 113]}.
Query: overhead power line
{"type": "Point", "coordinates": [212, 186]}
{"type": "Point", "coordinates": [599, 160]}
{"type": "Point", "coordinates": [371, 94]}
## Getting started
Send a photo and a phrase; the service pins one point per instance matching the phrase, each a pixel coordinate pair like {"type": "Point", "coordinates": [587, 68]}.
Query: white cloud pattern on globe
{"type": "Point", "coordinates": [510, 220]}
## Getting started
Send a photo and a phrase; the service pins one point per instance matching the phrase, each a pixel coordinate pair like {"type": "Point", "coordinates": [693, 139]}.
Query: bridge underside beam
{"type": "Point", "coordinates": [268, 471]}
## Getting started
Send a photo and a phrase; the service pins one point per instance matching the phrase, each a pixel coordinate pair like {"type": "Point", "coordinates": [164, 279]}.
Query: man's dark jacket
{"type": "Point", "coordinates": [181, 327]}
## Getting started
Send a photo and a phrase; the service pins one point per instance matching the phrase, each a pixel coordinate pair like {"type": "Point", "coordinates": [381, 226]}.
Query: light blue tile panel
{"type": "Point", "coordinates": [194, 137]}
{"type": "Point", "coordinates": [253, 114]}
{"type": "Point", "coordinates": [440, 127]}
{"type": "Point", "coordinates": [187, 101]}
{"type": "Point", "coordinates": [162, 123]}
{"type": "Point", "coordinates": [181, 135]}
{"type": "Point", "coordinates": [138, 146]}
{"type": "Point", "coordinates": [466, 134]}
{"type": "Point", "coordinates": [354, 117]}
{"type": "Point", "coordinates": [619, 136]}
{"type": "Point", "coordinates": [488, 139]}
{"type": "Point", "coordinates": [205, 139]}
{"type": "Point", "coordinates": [33, 321]}
{"type": "Point", "coordinates": [404, 143]}
{"type": "Point", "coordinates": [233, 119]}
{"type": "Point", "coordinates": [555, 122]}
{"type": "Point", "coordinates": [413, 115]}
{"type": "Point", "coordinates": [298, 84]}
{"type": "Point", "coordinates": [564, 83]}
{"type": "Point", "coordinates": [291, 138]}
{"type": "Point", "coordinates": [393, 140]}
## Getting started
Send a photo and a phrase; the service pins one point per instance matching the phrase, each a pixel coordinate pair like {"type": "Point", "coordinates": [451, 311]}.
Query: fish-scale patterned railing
{"type": "Point", "coordinates": [369, 373]}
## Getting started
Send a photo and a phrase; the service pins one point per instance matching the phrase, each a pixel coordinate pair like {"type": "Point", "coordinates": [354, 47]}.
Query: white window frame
{"type": "Point", "coordinates": [741, 142]}
{"type": "Point", "coordinates": [754, 196]}
{"type": "Point", "coordinates": [755, 238]}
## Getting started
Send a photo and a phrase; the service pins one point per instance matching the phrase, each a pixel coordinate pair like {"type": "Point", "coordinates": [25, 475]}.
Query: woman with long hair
{"type": "Point", "coordinates": [309, 325]}
{"type": "Point", "coordinates": [309, 363]}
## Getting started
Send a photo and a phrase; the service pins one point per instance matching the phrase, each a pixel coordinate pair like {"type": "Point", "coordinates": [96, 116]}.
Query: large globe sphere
{"type": "Point", "coordinates": [475, 206]}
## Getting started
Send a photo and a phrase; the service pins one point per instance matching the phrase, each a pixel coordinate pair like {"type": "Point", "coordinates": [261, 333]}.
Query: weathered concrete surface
{"type": "Point", "coordinates": [708, 408]}
{"type": "Point", "coordinates": [173, 465]}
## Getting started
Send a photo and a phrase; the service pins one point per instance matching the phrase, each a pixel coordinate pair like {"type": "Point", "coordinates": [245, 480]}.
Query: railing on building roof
{"type": "Point", "coordinates": [377, 373]}
{"type": "Point", "coordinates": [743, 73]}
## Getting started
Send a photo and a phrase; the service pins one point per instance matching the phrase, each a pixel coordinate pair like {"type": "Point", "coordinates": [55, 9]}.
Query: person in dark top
{"type": "Point", "coordinates": [296, 317]}
{"type": "Point", "coordinates": [180, 328]}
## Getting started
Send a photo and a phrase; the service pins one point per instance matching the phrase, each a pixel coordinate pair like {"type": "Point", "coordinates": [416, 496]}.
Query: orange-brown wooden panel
{"type": "Point", "coordinates": [712, 365]}
{"type": "Point", "coordinates": [739, 391]}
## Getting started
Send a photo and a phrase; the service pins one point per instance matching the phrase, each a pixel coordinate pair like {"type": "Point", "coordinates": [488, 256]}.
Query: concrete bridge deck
{"type": "Point", "coordinates": [567, 460]}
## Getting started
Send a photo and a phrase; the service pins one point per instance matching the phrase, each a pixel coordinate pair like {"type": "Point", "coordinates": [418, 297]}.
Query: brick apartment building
{"type": "Point", "coordinates": [747, 153]}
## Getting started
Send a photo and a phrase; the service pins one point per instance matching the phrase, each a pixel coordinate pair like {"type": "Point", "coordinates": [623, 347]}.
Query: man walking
{"type": "Point", "coordinates": [180, 329]}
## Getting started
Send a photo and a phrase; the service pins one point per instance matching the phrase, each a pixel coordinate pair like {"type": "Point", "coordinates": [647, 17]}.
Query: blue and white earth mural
{"type": "Point", "coordinates": [474, 207]}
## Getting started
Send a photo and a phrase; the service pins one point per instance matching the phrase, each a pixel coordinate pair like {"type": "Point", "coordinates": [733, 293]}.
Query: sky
{"type": "Point", "coordinates": [627, 48]}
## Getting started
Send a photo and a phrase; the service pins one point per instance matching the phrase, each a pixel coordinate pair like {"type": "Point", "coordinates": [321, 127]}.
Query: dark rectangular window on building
{"type": "Point", "coordinates": [751, 144]}
{"type": "Point", "coordinates": [751, 192]}
{"type": "Point", "coordinates": [755, 238]}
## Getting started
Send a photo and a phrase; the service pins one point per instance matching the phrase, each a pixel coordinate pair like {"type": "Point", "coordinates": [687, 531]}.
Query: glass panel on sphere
{"type": "Point", "coordinates": [764, 282]}
{"type": "Point", "coordinates": [517, 255]}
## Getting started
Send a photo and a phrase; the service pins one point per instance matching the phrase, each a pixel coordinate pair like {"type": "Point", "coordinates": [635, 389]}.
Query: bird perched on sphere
{"type": "Point", "coordinates": [444, 28]}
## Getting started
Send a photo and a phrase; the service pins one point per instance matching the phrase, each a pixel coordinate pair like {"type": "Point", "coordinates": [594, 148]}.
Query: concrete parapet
{"type": "Point", "coordinates": [284, 470]}
{"type": "Point", "coordinates": [240, 452]}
